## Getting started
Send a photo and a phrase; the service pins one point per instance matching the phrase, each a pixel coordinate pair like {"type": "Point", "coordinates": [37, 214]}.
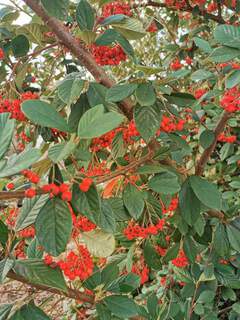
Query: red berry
{"type": "Point", "coordinates": [63, 187]}
{"type": "Point", "coordinates": [66, 196]}
{"type": "Point", "coordinates": [85, 184]}
{"type": "Point", "coordinates": [10, 186]}
{"type": "Point", "coordinates": [30, 193]}
{"type": "Point", "coordinates": [2, 55]}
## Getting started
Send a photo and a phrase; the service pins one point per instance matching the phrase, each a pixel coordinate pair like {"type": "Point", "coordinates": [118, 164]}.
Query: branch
{"type": "Point", "coordinates": [71, 293]}
{"type": "Point", "coordinates": [188, 8]}
{"type": "Point", "coordinates": [207, 152]}
{"type": "Point", "coordinates": [85, 58]}
{"type": "Point", "coordinates": [20, 194]}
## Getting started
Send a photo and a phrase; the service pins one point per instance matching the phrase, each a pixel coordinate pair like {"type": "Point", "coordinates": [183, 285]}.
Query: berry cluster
{"type": "Point", "coordinates": [116, 7]}
{"type": "Point", "coordinates": [105, 55]}
{"type": "Point", "coordinates": [181, 261]}
{"type": "Point", "coordinates": [14, 106]}
{"type": "Point", "coordinates": [161, 251]}
{"type": "Point", "coordinates": [2, 55]}
{"type": "Point", "coordinates": [142, 270]}
{"type": "Point", "coordinates": [176, 65]}
{"type": "Point", "coordinates": [85, 185]}
{"type": "Point", "coordinates": [133, 230]}
{"type": "Point", "coordinates": [199, 93]}
{"type": "Point", "coordinates": [27, 233]}
{"type": "Point", "coordinates": [77, 265]}
{"type": "Point", "coordinates": [172, 206]}
{"type": "Point", "coordinates": [171, 125]}
{"type": "Point", "coordinates": [31, 176]}
{"type": "Point", "coordinates": [230, 101]}
{"type": "Point", "coordinates": [55, 190]}
{"type": "Point", "coordinates": [83, 224]}
{"type": "Point", "coordinates": [229, 139]}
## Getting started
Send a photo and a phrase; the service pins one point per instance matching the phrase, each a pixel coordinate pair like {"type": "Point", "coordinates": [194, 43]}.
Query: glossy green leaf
{"type": "Point", "coordinates": [71, 87]}
{"type": "Point", "coordinates": [147, 121]}
{"type": "Point", "coordinates": [53, 226]}
{"type": "Point", "coordinates": [42, 113]}
{"type": "Point", "coordinates": [120, 91]}
{"type": "Point", "coordinates": [5, 266]}
{"type": "Point", "coordinates": [20, 45]}
{"type": "Point", "coordinates": [228, 35]}
{"type": "Point", "coordinates": [56, 8]}
{"type": "Point", "coordinates": [30, 211]}
{"type": "Point", "coordinates": [37, 272]}
{"type": "Point", "coordinates": [133, 201]}
{"type": "Point", "coordinates": [145, 94]}
{"type": "Point", "coordinates": [6, 132]}
{"type": "Point", "coordinates": [165, 183]}
{"type": "Point", "coordinates": [19, 162]}
{"type": "Point", "coordinates": [121, 306]}
{"type": "Point", "coordinates": [95, 122]}
{"type": "Point", "coordinates": [207, 137]}
{"type": "Point", "coordinates": [85, 15]}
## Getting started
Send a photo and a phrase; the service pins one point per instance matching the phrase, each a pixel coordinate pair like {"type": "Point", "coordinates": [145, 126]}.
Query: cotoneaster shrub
{"type": "Point", "coordinates": [120, 158]}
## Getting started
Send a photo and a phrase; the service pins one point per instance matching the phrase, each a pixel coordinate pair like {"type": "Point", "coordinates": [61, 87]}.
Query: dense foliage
{"type": "Point", "coordinates": [120, 158]}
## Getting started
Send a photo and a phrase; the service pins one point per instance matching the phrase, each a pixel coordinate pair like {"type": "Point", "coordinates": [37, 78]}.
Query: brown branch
{"type": "Point", "coordinates": [188, 8]}
{"type": "Point", "coordinates": [85, 58]}
{"type": "Point", "coordinates": [20, 194]}
{"type": "Point", "coordinates": [207, 152]}
{"type": "Point", "coordinates": [71, 293]}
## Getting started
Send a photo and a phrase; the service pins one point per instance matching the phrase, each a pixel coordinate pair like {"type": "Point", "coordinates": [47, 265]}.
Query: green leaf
{"type": "Point", "coordinates": [85, 15]}
{"type": "Point", "coordinates": [61, 151]}
{"type": "Point", "coordinates": [20, 46]}
{"type": "Point", "coordinates": [189, 204]}
{"type": "Point", "coordinates": [206, 192]}
{"type": "Point", "coordinates": [147, 121]}
{"type": "Point", "coordinates": [95, 122]}
{"type": "Point", "coordinates": [201, 75]}
{"type": "Point", "coordinates": [165, 183]}
{"type": "Point", "coordinates": [145, 94]}
{"type": "Point", "coordinates": [96, 94]}
{"type": "Point", "coordinates": [33, 31]}
{"type": "Point", "coordinates": [29, 311]}
{"type": "Point", "coordinates": [206, 296]}
{"type": "Point", "coordinates": [53, 226]}
{"type": "Point", "coordinates": [34, 249]}
{"type": "Point", "coordinates": [5, 310]}
{"type": "Point", "coordinates": [151, 257]}
{"type": "Point", "coordinates": [30, 211]}
{"type": "Point", "coordinates": [71, 87]}
{"type": "Point", "coordinates": [6, 132]}
{"type": "Point", "coordinates": [207, 137]}
{"type": "Point", "coordinates": [37, 272]}
{"type": "Point", "coordinates": [220, 241]}
{"type": "Point", "coordinates": [190, 248]}
{"type": "Point", "coordinates": [233, 234]}
{"type": "Point", "coordinates": [124, 284]}
{"type": "Point", "coordinates": [56, 8]}
{"type": "Point", "coordinates": [228, 35]}
{"type": "Point", "coordinates": [103, 312]}
{"type": "Point", "coordinates": [130, 28]}
{"type": "Point", "coordinates": [87, 203]}
{"type": "Point", "coordinates": [3, 234]}
{"type": "Point", "coordinates": [224, 54]}
{"type": "Point", "coordinates": [120, 91]}
{"type": "Point", "coordinates": [17, 163]}
{"type": "Point", "coordinates": [107, 220]}
{"type": "Point", "coordinates": [202, 44]}
{"type": "Point", "coordinates": [121, 306]}
{"type": "Point", "coordinates": [171, 253]}
{"type": "Point", "coordinates": [181, 99]}
{"type": "Point", "coordinates": [233, 79]}
{"type": "Point", "coordinates": [133, 201]}
{"type": "Point", "coordinates": [77, 110]}
{"type": "Point", "coordinates": [5, 266]}
{"type": "Point", "coordinates": [100, 244]}
{"type": "Point", "coordinates": [118, 146]}
{"type": "Point", "coordinates": [236, 307]}
{"type": "Point", "coordinates": [44, 114]}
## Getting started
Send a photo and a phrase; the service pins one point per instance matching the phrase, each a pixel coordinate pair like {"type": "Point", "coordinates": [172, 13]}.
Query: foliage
{"type": "Point", "coordinates": [119, 130]}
